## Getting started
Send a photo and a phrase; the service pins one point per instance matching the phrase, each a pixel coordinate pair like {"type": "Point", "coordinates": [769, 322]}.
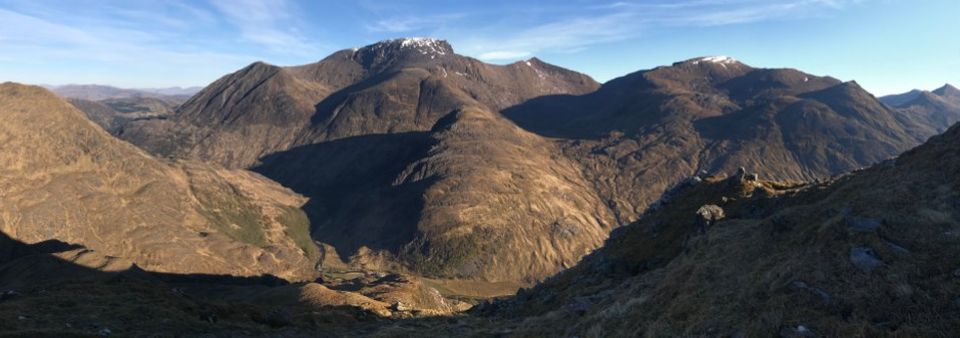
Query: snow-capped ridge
{"type": "Point", "coordinates": [425, 46]}
{"type": "Point", "coordinates": [719, 59]}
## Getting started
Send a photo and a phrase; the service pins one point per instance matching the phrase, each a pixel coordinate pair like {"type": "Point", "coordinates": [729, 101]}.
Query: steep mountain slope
{"type": "Point", "coordinates": [642, 133]}
{"type": "Point", "coordinates": [63, 178]}
{"type": "Point", "coordinates": [424, 199]}
{"type": "Point", "coordinates": [392, 86]}
{"type": "Point", "coordinates": [866, 254]}
{"type": "Point", "coordinates": [931, 111]}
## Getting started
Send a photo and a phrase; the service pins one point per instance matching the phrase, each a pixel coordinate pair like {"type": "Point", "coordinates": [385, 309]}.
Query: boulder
{"type": "Point", "coordinates": [399, 307]}
{"type": "Point", "coordinates": [707, 215]}
{"type": "Point", "coordinates": [799, 331]}
{"type": "Point", "coordinates": [864, 259]}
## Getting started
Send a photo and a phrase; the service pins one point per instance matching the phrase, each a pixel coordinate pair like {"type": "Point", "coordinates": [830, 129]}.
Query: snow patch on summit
{"type": "Point", "coordinates": [719, 59]}
{"type": "Point", "coordinates": [426, 46]}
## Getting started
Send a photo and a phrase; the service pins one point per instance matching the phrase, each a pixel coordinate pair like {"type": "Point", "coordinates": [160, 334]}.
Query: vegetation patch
{"type": "Point", "coordinates": [297, 226]}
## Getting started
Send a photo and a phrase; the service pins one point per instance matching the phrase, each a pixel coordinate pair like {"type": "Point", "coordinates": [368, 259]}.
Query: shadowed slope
{"type": "Point", "coordinates": [425, 200]}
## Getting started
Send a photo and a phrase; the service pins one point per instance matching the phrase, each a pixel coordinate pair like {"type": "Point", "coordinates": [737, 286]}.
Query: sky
{"type": "Point", "coordinates": [887, 46]}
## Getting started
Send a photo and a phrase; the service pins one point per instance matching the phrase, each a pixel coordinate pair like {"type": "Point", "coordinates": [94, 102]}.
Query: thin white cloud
{"type": "Point", "coordinates": [271, 24]}
{"type": "Point", "coordinates": [503, 55]}
{"type": "Point", "coordinates": [403, 24]}
{"type": "Point", "coordinates": [625, 20]}
{"type": "Point", "coordinates": [31, 40]}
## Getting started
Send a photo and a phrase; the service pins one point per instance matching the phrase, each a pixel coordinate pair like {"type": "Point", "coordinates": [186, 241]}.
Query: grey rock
{"type": "Point", "coordinates": [8, 295]}
{"type": "Point", "coordinates": [863, 224]}
{"type": "Point", "coordinates": [896, 248]}
{"type": "Point", "coordinates": [707, 215]}
{"type": "Point", "coordinates": [799, 331]}
{"type": "Point", "coordinates": [208, 317]}
{"type": "Point", "coordinates": [578, 306]}
{"type": "Point", "coordinates": [105, 332]}
{"type": "Point", "coordinates": [399, 307]}
{"type": "Point", "coordinates": [803, 286]}
{"type": "Point", "coordinates": [741, 172]}
{"type": "Point", "coordinates": [864, 259]}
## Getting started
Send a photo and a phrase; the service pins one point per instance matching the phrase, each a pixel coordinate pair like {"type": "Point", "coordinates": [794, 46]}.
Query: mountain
{"type": "Point", "coordinates": [94, 92]}
{"type": "Point", "coordinates": [400, 148]}
{"type": "Point", "coordinates": [642, 133]}
{"type": "Point", "coordinates": [931, 111]}
{"type": "Point", "coordinates": [864, 254]}
{"type": "Point", "coordinates": [114, 114]}
{"type": "Point", "coordinates": [66, 179]}
{"type": "Point", "coordinates": [392, 86]}
{"type": "Point", "coordinates": [476, 198]}
{"type": "Point", "coordinates": [405, 160]}
{"type": "Point", "coordinates": [173, 91]}
{"type": "Point", "coordinates": [895, 100]}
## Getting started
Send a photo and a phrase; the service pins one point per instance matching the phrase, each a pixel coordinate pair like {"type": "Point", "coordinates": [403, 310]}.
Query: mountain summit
{"type": "Point", "coordinates": [388, 87]}
{"type": "Point", "coordinates": [391, 142]}
{"type": "Point", "coordinates": [640, 134]}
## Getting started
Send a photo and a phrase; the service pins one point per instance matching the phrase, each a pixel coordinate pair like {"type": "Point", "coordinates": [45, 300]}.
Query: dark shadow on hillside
{"type": "Point", "coordinates": [551, 116]}
{"type": "Point", "coordinates": [618, 106]}
{"type": "Point", "coordinates": [325, 109]}
{"type": "Point", "coordinates": [55, 297]}
{"type": "Point", "coordinates": [354, 200]}
{"type": "Point", "coordinates": [41, 265]}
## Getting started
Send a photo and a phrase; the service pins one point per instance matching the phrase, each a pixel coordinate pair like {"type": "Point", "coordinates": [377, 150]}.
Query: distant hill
{"type": "Point", "coordinates": [932, 111]}
{"type": "Point", "coordinates": [114, 114]}
{"type": "Point", "coordinates": [94, 92]}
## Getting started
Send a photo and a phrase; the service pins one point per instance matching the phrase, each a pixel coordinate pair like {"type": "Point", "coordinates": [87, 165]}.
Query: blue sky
{"type": "Point", "coordinates": [888, 46]}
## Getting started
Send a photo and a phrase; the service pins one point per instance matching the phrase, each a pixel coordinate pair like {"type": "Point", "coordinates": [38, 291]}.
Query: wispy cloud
{"type": "Point", "coordinates": [270, 23]}
{"type": "Point", "coordinates": [624, 20]}
{"type": "Point", "coordinates": [503, 55]}
{"type": "Point", "coordinates": [411, 23]}
{"type": "Point", "coordinates": [49, 38]}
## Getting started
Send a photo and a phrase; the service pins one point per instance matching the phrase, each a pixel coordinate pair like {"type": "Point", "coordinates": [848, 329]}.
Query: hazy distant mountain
{"type": "Point", "coordinates": [642, 133]}
{"type": "Point", "coordinates": [931, 111]}
{"type": "Point", "coordinates": [100, 92]}
{"type": "Point", "coordinates": [843, 258]}
{"type": "Point", "coordinates": [115, 113]}
{"type": "Point", "coordinates": [895, 100]}
{"type": "Point", "coordinates": [173, 91]}
{"type": "Point", "coordinates": [66, 179]}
